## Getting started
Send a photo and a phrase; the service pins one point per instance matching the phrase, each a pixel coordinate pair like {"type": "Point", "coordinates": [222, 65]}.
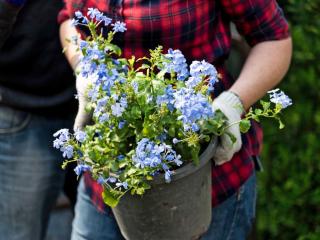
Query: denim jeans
{"type": "Point", "coordinates": [30, 173]}
{"type": "Point", "coordinates": [231, 220]}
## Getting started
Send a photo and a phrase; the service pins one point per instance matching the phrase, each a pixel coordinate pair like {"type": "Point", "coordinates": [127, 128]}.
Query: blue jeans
{"type": "Point", "coordinates": [231, 220]}
{"type": "Point", "coordinates": [30, 173]}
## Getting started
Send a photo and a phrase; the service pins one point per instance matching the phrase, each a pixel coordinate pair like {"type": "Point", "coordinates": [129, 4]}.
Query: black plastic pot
{"type": "Point", "coordinates": [174, 211]}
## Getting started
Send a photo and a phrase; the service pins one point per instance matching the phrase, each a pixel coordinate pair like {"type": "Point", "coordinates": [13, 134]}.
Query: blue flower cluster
{"type": "Point", "coordinates": [120, 105]}
{"type": "Point", "coordinates": [193, 107]}
{"type": "Point", "coordinates": [62, 137]}
{"type": "Point", "coordinates": [101, 180]}
{"type": "Point", "coordinates": [167, 98]}
{"type": "Point", "coordinates": [159, 156]}
{"type": "Point", "coordinates": [279, 97]}
{"type": "Point", "coordinates": [94, 14]}
{"type": "Point", "coordinates": [177, 63]}
{"type": "Point", "coordinates": [92, 65]}
{"type": "Point", "coordinates": [80, 168]}
{"type": "Point", "coordinates": [119, 26]}
{"type": "Point", "coordinates": [199, 71]}
{"type": "Point", "coordinates": [80, 136]}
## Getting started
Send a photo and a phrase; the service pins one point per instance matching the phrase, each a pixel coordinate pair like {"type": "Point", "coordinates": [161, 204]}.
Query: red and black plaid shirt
{"type": "Point", "coordinates": [201, 30]}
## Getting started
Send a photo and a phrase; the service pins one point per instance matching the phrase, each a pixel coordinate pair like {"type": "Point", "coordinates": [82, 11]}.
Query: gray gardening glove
{"type": "Point", "coordinates": [231, 106]}
{"type": "Point", "coordinates": [83, 117]}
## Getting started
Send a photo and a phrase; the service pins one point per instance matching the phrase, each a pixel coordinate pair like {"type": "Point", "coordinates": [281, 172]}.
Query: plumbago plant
{"type": "Point", "coordinates": [151, 115]}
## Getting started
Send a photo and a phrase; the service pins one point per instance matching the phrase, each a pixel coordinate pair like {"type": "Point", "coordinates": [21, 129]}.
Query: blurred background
{"type": "Point", "coordinates": [289, 192]}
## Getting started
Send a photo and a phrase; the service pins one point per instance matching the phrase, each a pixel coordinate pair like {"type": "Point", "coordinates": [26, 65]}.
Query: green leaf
{"type": "Point", "coordinates": [132, 171]}
{"type": "Point", "coordinates": [244, 125]}
{"type": "Point", "coordinates": [281, 124]}
{"type": "Point", "coordinates": [257, 111]}
{"type": "Point", "coordinates": [114, 166]}
{"type": "Point", "coordinates": [131, 61]}
{"type": "Point", "coordinates": [265, 105]}
{"type": "Point", "coordinates": [114, 48]}
{"type": "Point", "coordinates": [149, 178]}
{"type": "Point", "coordinates": [140, 191]}
{"type": "Point", "coordinates": [109, 198]}
{"type": "Point", "coordinates": [144, 66]}
{"type": "Point", "coordinates": [172, 131]}
{"type": "Point", "coordinates": [135, 112]}
{"type": "Point", "coordinates": [256, 118]}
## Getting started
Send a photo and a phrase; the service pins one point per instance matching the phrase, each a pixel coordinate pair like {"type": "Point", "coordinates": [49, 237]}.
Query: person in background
{"type": "Point", "coordinates": [9, 10]}
{"type": "Point", "coordinates": [37, 90]}
{"type": "Point", "coordinates": [201, 30]}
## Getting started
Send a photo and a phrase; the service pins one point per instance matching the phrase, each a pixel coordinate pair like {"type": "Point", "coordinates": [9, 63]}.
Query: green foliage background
{"type": "Point", "coordinates": [289, 187]}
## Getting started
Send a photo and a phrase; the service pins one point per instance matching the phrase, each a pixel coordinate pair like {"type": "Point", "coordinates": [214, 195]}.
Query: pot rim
{"type": "Point", "coordinates": [189, 168]}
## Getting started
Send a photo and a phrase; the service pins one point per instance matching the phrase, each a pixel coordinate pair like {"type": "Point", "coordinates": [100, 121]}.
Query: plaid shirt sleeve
{"type": "Point", "coordinates": [63, 14]}
{"type": "Point", "coordinates": [257, 20]}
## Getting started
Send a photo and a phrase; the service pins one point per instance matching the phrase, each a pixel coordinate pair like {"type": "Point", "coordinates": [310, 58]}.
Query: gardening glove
{"type": "Point", "coordinates": [83, 117]}
{"type": "Point", "coordinates": [230, 105]}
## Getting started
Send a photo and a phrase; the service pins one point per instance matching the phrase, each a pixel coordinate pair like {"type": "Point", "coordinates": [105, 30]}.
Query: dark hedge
{"type": "Point", "coordinates": [289, 187]}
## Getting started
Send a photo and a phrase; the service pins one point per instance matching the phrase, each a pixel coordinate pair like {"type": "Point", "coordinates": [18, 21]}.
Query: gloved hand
{"type": "Point", "coordinates": [231, 106]}
{"type": "Point", "coordinates": [83, 117]}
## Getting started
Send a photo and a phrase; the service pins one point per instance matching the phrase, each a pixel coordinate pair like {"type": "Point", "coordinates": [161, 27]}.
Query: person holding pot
{"type": "Point", "coordinates": [36, 99]}
{"type": "Point", "coordinates": [201, 30]}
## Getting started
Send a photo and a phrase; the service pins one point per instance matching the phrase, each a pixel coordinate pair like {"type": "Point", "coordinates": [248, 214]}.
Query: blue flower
{"type": "Point", "coordinates": [162, 137]}
{"type": "Point", "coordinates": [104, 118]}
{"type": "Point", "coordinates": [170, 157]}
{"type": "Point", "coordinates": [176, 63]}
{"type": "Point", "coordinates": [121, 124]}
{"type": "Point", "coordinates": [178, 161]}
{"type": "Point", "coordinates": [279, 97]}
{"type": "Point", "coordinates": [106, 20]}
{"type": "Point", "coordinates": [167, 98]}
{"type": "Point", "coordinates": [119, 26]}
{"type": "Point", "coordinates": [80, 135]}
{"type": "Point", "coordinates": [175, 141]}
{"type": "Point", "coordinates": [120, 157]}
{"type": "Point", "coordinates": [92, 12]}
{"type": "Point", "coordinates": [195, 127]}
{"type": "Point", "coordinates": [67, 151]}
{"type": "Point", "coordinates": [78, 14]}
{"type": "Point", "coordinates": [74, 22]}
{"type": "Point", "coordinates": [157, 156]}
{"type": "Point", "coordinates": [101, 180]}
{"type": "Point", "coordinates": [57, 143]}
{"type": "Point", "coordinates": [167, 176]}
{"type": "Point", "coordinates": [192, 82]}
{"type": "Point", "coordinates": [111, 179]}
{"type": "Point", "coordinates": [122, 184]}
{"type": "Point", "coordinates": [123, 101]}
{"type": "Point", "coordinates": [193, 107]}
{"type": "Point", "coordinates": [63, 134]}
{"type": "Point", "coordinates": [61, 142]}
{"type": "Point", "coordinates": [202, 70]}
{"type": "Point", "coordinates": [82, 168]}
{"type": "Point", "coordinates": [83, 44]}
{"type": "Point", "coordinates": [135, 87]}
{"type": "Point", "coordinates": [117, 109]}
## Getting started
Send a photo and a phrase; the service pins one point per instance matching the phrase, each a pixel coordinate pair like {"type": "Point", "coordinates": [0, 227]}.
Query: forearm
{"type": "Point", "coordinates": [70, 50]}
{"type": "Point", "coordinates": [264, 68]}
